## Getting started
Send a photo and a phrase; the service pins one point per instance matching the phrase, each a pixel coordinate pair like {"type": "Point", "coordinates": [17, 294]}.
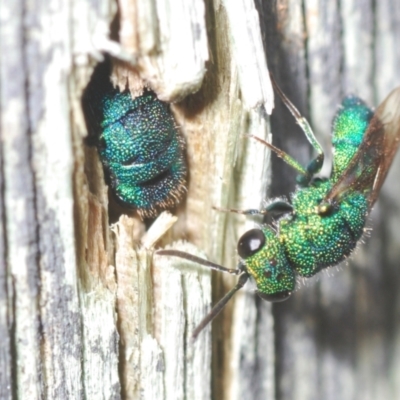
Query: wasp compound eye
{"type": "Point", "coordinates": [250, 243]}
{"type": "Point", "coordinates": [275, 297]}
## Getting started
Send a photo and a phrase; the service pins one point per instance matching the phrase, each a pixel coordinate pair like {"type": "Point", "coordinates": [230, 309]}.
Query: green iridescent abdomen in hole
{"type": "Point", "coordinates": [313, 241]}
{"type": "Point", "coordinates": [142, 151]}
{"type": "Point", "coordinates": [139, 146]}
{"type": "Point", "coordinates": [349, 126]}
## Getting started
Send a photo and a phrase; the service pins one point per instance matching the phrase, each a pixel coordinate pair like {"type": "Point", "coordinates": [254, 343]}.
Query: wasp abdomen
{"type": "Point", "coordinates": [349, 126]}
{"type": "Point", "coordinates": [139, 146]}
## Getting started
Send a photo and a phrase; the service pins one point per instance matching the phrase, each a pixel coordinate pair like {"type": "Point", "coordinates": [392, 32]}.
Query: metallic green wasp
{"type": "Point", "coordinates": [325, 218]}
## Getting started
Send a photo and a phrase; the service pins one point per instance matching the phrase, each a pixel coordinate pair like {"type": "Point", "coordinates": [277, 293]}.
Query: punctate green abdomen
{"type": "Point", "coordinates": [313, 241]}
{"type": "Point", "coordinates": [139, 145]}
{"type": "Point", "coordinates": [349, 126]}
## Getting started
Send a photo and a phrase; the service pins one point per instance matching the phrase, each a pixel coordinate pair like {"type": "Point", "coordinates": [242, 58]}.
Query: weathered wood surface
{"type": "Point", "coordinates": [83, 311]}
{"type": "Point", "coordinates": [338, 338]}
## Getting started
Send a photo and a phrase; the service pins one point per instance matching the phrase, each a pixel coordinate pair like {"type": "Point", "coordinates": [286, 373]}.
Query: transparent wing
{"type": "Point", "coordinates": [368, 168]}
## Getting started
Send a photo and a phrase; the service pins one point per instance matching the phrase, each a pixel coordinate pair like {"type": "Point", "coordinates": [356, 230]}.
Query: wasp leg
{"type": "Point", "coordinates": [277, 207]}
{"type": "Point", "coordinates": [316, 164]}
{"type": "Point", "coordinates": [236, 211]}
{"type": "Point", "coordinates": [284, 156]}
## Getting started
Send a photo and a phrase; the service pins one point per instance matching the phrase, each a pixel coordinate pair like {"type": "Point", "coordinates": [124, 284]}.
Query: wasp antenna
{"type": "Point", "coordinates": [219, 306]}
{"type": "Point", "coordinates": [197, 260]}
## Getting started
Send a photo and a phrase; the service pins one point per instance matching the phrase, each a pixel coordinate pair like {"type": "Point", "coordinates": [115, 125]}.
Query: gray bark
{"type": "Point", "coordinates": [86, 311]}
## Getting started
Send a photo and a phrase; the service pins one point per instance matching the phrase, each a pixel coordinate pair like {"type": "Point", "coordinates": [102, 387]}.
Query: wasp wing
{"type": "Point", "coordinates": [368, 168]}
